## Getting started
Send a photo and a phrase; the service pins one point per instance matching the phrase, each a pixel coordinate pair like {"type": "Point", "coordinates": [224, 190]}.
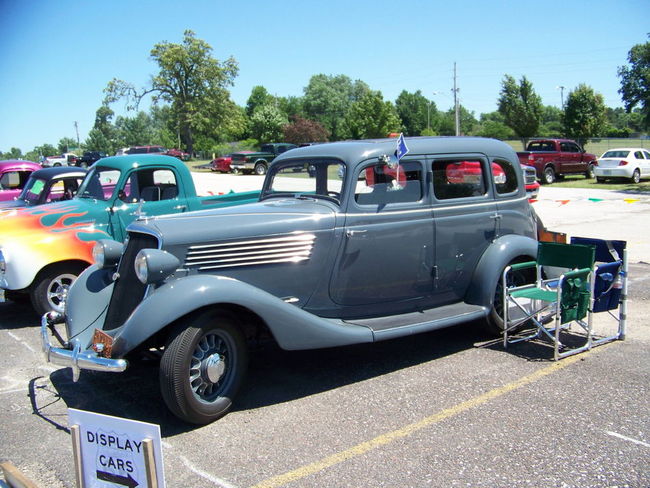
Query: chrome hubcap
{"type": "Point", "coordinates": [57, 292]}
{"type": "Point", "coordinates": [209, 370]}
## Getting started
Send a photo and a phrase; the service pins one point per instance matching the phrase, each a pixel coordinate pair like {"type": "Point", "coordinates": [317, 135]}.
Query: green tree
{"type": "Point", "coordinates": [371, 117]}
{"type": "Point", "coordinates": [67, 144]}
{"type": "Point", "coordinates": [267, 123]}
{"type": "Point", "coordinates": [102, 136]}
{"type": "Point", "coordinates": [192, 81]}
{"type": "Point", "coordinates": [635, 80]}
{"type": "Point", "coordinates": [292, 106]}
{"type": "Point", "coordinates": [585, 114]}
{"type": "Point", "coordinates": [46, 150]}
{"type": "Point", "coordinates": [492, 125]}
{"type": "Point", "coordinates": [467, 122]}
{"type": "Point", "coordinates": [135, 131]}
{"type": "Point", "coordinates": [521, 107]}
{"type": "Point", "coordinates": [304, 130]}
{"type": "Point", "coordinates": [258, 98]}
{"type": "Point", "coordinates": [551, 123]}
{"type": "Point", "coordinates": [14, 153]}
{"type": "Point", "coordinates": [417, 113]}
{"type": "Point", "coordinates": [328, 99]}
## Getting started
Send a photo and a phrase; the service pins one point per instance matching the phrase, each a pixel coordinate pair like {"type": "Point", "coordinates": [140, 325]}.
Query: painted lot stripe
{"type": "Point", "coordinates": [406, 431]}
{"type": "Point", "coordinates": [629, 439]}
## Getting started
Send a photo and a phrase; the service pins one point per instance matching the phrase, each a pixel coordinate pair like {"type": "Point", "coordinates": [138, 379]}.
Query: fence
{"type": "Point", "coordinates": [598, 146]}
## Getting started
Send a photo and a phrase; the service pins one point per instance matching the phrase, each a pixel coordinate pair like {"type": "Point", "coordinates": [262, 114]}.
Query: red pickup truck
{"type": "Point", "coordinates": [554, 158]}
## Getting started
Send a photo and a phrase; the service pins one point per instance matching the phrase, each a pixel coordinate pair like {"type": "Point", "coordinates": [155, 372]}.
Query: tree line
{"type": "Point", "coordinates": [192, 109]}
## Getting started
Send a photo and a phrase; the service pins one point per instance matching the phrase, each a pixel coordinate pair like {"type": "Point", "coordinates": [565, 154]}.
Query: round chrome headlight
{"type": "Point", "coordinates": [154, 265]}
{"type": "Point", "coordinates": [107, 253]}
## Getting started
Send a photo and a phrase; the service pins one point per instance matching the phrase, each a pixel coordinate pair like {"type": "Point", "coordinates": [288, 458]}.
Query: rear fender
{"type": "Point", "coordinates": [501, 252]}
{"type": "Point", "coordinates": [292, 327]}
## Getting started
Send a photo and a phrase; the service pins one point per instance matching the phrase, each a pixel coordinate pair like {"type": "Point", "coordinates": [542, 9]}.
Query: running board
{"type": "Point", "coordinates": [385, 328]}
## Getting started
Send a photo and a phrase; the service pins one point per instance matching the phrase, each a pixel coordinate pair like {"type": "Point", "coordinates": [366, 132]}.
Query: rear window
{"type": "Point", "coordinates": [615, 154]}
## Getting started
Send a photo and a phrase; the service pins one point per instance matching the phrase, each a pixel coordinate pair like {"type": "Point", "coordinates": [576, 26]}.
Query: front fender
{"type": "Point", "coordinates": [488, 271]}
{"type": "Point", "coordinates": [292, 327]}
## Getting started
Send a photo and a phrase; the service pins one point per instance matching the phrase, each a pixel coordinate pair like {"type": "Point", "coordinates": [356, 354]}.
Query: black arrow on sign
{"type": "Point", "coordinates": [117, 479]}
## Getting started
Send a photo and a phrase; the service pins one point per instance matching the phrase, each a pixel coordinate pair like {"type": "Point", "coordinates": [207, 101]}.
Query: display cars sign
{"type": "Point", "coordinates": [111, 451]}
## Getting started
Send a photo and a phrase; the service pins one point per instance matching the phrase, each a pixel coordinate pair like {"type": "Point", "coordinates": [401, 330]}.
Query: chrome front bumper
{"type": "Point", "coordinates": [76, 358]}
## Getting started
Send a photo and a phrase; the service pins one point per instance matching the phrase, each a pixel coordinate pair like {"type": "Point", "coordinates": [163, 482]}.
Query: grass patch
{"type": "Point", "coordinates": [617, 185]}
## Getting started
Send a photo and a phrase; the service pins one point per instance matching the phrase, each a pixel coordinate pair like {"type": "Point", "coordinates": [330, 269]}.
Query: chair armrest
{"type": "Point", "coordinates": [576, 273]}
{"type": "Point", "coordinates": [527, 264]}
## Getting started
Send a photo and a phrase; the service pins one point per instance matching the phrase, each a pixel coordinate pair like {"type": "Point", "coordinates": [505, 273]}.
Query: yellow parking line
{"type": "Point", "coordinates": [407, 430]}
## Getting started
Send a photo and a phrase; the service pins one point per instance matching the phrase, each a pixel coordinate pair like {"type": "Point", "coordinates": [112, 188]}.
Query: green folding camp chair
{"type": "Point", "coordinates": [550, 305]}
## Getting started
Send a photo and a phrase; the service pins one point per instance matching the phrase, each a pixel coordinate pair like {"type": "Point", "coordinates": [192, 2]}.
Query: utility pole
{"type": "Point", "coordinates": [561, 88]}
{"type": "Point", "coordinates": [76, 128]}
{"type": "Point", "coordinates": [455, 90]}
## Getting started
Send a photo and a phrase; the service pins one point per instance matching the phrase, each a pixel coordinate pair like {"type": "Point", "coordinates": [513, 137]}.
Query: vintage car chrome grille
{"type": "Point", "coordinates": [128, 291]}
{"type": "Point", "coordinates": [253, 252]}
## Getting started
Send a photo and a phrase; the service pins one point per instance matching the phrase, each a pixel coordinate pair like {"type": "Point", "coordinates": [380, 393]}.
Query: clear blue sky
{"type": "Point", "coordinates": [58, 55]}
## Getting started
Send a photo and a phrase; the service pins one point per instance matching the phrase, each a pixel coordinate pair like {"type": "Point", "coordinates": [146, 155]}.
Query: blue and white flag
{"type": "Point", "coordinates": [401, 150]}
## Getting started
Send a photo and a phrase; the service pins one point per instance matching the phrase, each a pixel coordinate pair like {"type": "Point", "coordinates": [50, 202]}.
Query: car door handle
{"type": "Point", "coordinates": [352, 233]}
{"type": "Point", "coordinates": [496, 216]}
{"type": "Point", "coordinates": [180, 207]}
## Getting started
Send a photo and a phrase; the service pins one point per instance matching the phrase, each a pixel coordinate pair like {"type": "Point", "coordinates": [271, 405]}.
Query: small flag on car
{"type": "Point", "coordinates": [401, 150]}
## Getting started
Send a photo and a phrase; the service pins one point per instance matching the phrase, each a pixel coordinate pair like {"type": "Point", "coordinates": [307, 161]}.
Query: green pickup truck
{"type": "Point", "coordinates": [43, 249]}
{"type": "Point", "coordinates": [258, 162]}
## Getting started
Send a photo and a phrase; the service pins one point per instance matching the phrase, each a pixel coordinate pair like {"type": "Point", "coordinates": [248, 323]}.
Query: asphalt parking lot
{"type": "Point", "coordinates": [447, 408]}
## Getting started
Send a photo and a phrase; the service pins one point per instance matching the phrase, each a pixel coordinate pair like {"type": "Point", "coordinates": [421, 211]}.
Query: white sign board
{"type": "Point", "coordinates": [112, 451]}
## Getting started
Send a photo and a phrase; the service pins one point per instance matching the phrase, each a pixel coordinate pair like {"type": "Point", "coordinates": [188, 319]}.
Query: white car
{"type": "Point", "coordinates": [624, 162]}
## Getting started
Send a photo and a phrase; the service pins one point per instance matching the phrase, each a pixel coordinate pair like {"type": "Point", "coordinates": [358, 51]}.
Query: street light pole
{"type": "Point", "coordinates": [561, 88]}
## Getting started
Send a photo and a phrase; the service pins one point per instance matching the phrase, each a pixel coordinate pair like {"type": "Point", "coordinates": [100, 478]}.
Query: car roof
{"type": "Point", "coordinates": [19, 163]}
{"type": "Point", "coordinates": [50, 173]}
{"type": "Point", "coordinates": [627, 149]}
{"type": "Point", "coordinates": [354, 152]}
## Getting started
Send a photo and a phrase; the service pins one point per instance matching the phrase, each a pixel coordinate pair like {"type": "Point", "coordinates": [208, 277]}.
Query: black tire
{"type": "Point", "coordinates": [494, 321]}
{"type": "Point", "coordinates": [260, 169]}
{"type": "Point", "coordinates": [50, 287]}
{"type": "Point", "coordinates": [203, 366]}
{"type": "Point", "coordinates": [57, 165]}
{"type": "Point", "coordinates": [548, 176]}
{"type": "Point", "coordinates": [636, 176]}
{"type": "Point", "coordinates": [590, 172]}
{"type": "Point", "coordinates": [600, 179]}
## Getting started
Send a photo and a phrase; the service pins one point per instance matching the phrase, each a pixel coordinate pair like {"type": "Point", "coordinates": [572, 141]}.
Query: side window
{"type": "Point", "coordinates": [505, 176]}
{"type": "Point", "coordinates": [564, 147]}
{"type": "Point", "coordinates": [638, 155]}
{"type": "Point", "coordinates": [380, 185]}
{"type": "Point", "coordinates": [458, 178]}
{"type": "Point", "coordinates": [150, 185]}
{"type": "Point", "coordinates": [646, 154]}
{"type": "Point", "coordinates": [10, 180]}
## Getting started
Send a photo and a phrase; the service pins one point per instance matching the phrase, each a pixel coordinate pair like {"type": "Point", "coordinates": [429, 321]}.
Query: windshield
{"type": "Point", "coordinates": [615, 154]}
{"type": "Point", "coordinates": [32, 191]}
{"type": "Point", "coordinates": [319, 178]}
{"type": "Point", "coordinates": [99, 183]}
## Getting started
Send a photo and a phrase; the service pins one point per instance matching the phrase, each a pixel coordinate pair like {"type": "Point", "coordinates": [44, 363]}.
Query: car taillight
{"type": "Point", "coordinates": [531, 158]}
{"type": "Point", "coordinates": [622, 163]}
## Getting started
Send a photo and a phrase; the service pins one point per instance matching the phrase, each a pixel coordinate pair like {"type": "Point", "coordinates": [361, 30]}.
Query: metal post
{"type": "Point", "coordinates": [150, 463]}
{"type": "Point", "coordinates": [455, 90]}
{"type": "Point", "coordinates": [75, 430]}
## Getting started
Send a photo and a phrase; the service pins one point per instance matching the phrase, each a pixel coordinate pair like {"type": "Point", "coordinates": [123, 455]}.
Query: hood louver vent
{"type": "Point", "coordinates": [253, 252]}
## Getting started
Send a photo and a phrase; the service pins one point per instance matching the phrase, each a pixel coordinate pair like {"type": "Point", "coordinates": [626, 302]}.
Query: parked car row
{"type": "Point", "coordinates": [177, 153]}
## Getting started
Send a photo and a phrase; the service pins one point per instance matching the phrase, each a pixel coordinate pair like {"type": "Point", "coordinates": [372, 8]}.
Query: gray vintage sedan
{"type": "Point", "coordinates": [348, 244]}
